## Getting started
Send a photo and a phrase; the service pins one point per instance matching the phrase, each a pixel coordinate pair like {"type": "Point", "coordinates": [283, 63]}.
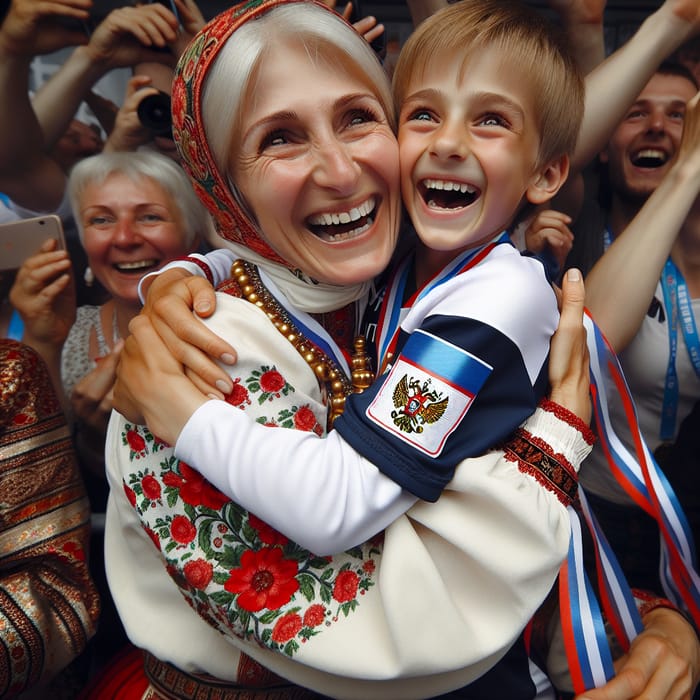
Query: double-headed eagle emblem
{"type": "Point", "coordinates": [417, 404]}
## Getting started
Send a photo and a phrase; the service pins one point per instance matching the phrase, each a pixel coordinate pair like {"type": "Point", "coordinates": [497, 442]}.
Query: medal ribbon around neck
{"type": "Point", "coordinates": [678, 308]}
{"type": "Point", "coordinates": [393, 310]}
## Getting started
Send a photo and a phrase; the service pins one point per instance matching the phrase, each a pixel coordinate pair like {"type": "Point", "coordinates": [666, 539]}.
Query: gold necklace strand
{"type": "Point", "coordinates": [324, 367]}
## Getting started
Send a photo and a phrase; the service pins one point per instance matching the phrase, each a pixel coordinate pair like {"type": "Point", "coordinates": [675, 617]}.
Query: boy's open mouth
{"type": "Point", "coordinates": [447, 194]}
{"type": "Point", "coordinates": [336, 226]}
{"type": "Point", "coordinates": [649, 158]}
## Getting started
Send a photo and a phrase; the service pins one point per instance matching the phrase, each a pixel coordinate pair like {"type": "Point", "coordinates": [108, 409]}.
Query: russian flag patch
{"type": "Point", "coordinates": [428, 391]}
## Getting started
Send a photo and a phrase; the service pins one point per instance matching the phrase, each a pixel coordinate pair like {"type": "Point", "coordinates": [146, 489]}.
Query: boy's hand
{"type": "Point", "coordinates": [549, 228]}
{"type": "Point", "coordinates": [568, 355]}
{"type": "Point", "coordinates": [170, 300]}
{"type": "Point", "coordinates": [663, 662]}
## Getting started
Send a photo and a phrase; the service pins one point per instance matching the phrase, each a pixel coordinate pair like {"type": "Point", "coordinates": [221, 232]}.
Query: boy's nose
{"type": "Point", "coordinates": [451, 141]}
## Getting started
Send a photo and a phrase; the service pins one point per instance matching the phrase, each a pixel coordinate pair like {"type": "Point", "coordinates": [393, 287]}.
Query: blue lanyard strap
{"type": "Point", "coordinates": [678, 309]}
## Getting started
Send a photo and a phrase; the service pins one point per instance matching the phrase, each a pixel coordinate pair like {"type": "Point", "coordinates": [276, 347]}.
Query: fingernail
{"type": "Point", "coordinates": [224, 387]}
{"type": "Point", "coordinates": [214, 397]}
{"type": "Point", "coordinates": [228, 358]}
{"type": "Point", "coordinates": [573, 274]}
{"type": "Point", "coordinates": [202, 307]}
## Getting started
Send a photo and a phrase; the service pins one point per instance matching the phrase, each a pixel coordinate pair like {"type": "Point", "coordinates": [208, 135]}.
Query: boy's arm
{"type": "Point", "coordinates": [630, 269]}
{"type": "Point", "coordinates": [287, 473]}
{"type": "Point", "coordinates": [614, 84]}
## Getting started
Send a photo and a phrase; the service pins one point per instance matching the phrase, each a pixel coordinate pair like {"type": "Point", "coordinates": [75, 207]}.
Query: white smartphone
{"type": "Point", "coordinates": [21, 239]}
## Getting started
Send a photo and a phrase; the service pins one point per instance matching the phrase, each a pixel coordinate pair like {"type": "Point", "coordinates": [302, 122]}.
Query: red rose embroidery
{"type": "Point", "coordinates": [264, 580]}
{"type": "Point", "coordinates": [305, 419]}
{"type": "Point", "coordinates": [345, 587]}
{"type": "Point", "coordinates": [272, 381]}
{"type": "Point", "coordinates": [194, 488]}
{"type": "Point", "coordinates": [369, 566]}
{"type": "Point", "coordinates": [131, 496]}
{"type": "Point", "coordinates": [238, 396]}
{"type": "Point", "coordinates": [198, 573]}
{"type": "Point", "coordinates": [151, 487]}
{"type": "Point", "coordinates": [154, 536]}
{"type": "Point", "coordinates": [135, 441]}
{"type": "Point", "coordinates": [267, 534]}
{"type": "Point", "coordinates": [182, 530]}
{"type": "Point", "coordinates": [286, 628]}
{"type": "Point", "coordinates": [314, 615]}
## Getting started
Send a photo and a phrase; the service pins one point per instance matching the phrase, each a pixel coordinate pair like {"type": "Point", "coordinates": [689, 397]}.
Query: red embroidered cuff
{"type": "Point", "coordinates": [568, 417]}
{"type": "Point", "coordinates": [202, 266]}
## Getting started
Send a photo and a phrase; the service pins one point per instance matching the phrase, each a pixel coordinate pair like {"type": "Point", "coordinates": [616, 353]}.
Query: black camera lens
{"type": "Point", "coordinates": [154, 114]}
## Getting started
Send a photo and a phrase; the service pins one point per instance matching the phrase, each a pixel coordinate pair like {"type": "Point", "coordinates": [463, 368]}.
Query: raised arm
{"type": "Point", "coordinates": [614, 84]}
{"type": "Point", "coordinates": [622, 282]}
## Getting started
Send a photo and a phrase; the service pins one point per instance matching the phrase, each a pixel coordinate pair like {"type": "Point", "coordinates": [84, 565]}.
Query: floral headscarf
{"type": "Point", "coordinates": [232, 221]}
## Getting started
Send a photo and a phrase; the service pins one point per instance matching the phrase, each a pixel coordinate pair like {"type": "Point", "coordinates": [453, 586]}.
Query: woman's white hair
{"type": "Point", "coordinates": [323, 34]}
{"type": "Point", "coordinates": [137, 165]}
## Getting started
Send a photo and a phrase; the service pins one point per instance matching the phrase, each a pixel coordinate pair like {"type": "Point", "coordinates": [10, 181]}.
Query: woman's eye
{"type": "Point", "coordinates": [99, 221]}
{"type": "Point", "coordinates": [362, 116]}
{"type": "Point", "coordinates": [150, 217]}
{"type": "Point", "coordinates": [274, 138]}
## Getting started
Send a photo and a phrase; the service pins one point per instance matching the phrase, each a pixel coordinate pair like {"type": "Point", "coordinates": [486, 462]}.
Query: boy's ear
{"type": "Point", "coordinates": [547, 182]}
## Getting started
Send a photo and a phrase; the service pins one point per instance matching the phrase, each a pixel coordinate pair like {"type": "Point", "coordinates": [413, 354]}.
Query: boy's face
{"type": "Point", "coordinates": [468, 148]}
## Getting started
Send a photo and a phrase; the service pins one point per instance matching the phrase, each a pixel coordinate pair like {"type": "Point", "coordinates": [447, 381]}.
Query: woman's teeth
{"type": "Point", "coordinates": [343, 225]}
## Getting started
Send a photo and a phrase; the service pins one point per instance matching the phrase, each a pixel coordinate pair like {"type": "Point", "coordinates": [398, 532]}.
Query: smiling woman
{"type": "Point", "coordinates": [135, 212]}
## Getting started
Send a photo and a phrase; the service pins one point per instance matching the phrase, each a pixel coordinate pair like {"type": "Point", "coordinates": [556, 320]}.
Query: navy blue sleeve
{"type": "Point", "coordinates": [440, 404]}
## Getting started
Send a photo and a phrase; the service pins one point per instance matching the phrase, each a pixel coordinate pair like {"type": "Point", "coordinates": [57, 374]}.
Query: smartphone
{"type": "Point", "coordinates": [21, 239]}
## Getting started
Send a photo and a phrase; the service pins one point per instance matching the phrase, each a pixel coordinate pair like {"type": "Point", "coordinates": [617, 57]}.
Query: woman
{"type": "Point", "coordinates": [135, 212]}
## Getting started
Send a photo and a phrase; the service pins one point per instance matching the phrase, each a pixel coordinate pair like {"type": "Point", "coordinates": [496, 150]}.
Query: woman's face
{"type": "Point", "coordinates": [129, 228]}
{"type": "Point", "coordinates": [317, 163]}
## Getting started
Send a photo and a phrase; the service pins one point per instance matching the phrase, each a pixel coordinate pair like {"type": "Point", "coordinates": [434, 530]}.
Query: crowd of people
{"type": "Point", "coordinates": [392, 268]}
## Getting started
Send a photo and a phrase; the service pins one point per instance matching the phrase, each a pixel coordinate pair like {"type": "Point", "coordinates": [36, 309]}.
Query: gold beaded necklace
{"type": "Point", "coordinates": [329, 375]}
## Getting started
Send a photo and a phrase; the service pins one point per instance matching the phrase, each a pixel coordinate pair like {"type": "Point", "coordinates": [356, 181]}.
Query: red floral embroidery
{"type": "Point", "coordinates": [194, 488]}
{"type": "Point", "coordinates": [272, 381]}
{"type": "Point", "coordinates": [286, 628]}
{"type": "Point", "coordinates": [151, 487]}
{"type": "Point", "coordinates": [131, 496]}
{"type": "Point", "coordinates": [182, 530]}
{"type": "Point", "coordinates": [198, 573]}
{"type": "Point", "coordinates": [369, 566]}
{"type": "Point", "coordinates": [135, 441]}
{"type": "Point", "coordinates": [239, 394]}
{"type": "Point", "coordinates": [267, 534]}
{"type": "Point", "coordinates": [305, 419]}
{"type": "Point", "coordinates": [345, 587]}
{"type": "Point", "coordinates": [265, 580]}
{"type": "Point", "coordinates": [154, 536]}
{"type": "Point", "coordinates": [315, 615]}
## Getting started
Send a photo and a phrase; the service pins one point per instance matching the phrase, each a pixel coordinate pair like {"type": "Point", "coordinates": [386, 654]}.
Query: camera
{"type": "Point", "coordinates": [154, 113]}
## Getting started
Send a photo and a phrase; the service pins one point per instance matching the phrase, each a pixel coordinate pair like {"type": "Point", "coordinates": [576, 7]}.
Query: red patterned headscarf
{"type": "Point", "coordinates": [232, 222]}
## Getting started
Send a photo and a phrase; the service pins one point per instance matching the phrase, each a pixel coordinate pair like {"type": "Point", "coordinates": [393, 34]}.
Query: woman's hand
{"type": "Point", "coordinates": [44, 295]}
{"type": "Point", "coordinates": [663, 662]}
{"type": "Point", "coordinates": [568, 356]}
{"type": "Point", "coordinates": [149, 378]}
{"type": "Point", "coordinates": [170, 300]}
{"type": "Point", "coordinates": [550, 229]}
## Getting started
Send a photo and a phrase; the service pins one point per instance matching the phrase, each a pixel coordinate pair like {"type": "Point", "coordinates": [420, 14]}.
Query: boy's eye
{"type": "Point", "coordinates": [677, 114]}
{"type": "Point", "coordinates": [420, 115]}
{"type": "Point", "coordinates": [492, 120]}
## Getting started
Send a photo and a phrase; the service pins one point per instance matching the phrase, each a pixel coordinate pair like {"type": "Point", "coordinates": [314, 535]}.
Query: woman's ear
{"type": "Point", "coordinates": [548, 180]}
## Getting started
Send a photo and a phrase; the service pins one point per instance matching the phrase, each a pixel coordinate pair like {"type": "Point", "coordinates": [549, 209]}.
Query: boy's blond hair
{"type": "Point", "coordinates": [525, 39]}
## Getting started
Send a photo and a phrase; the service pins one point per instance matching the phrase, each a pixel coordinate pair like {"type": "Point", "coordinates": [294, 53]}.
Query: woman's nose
{"type": "Point", "coordinates": [126, 232]}
{"type": "Point", "coordinates": [336, 166]}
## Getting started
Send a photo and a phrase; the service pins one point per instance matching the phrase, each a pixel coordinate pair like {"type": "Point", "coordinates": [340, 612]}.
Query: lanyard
{"type": "Point", "coordinates": [393, 310]}
{"type": "Point", "coordinates": [678, 309]}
